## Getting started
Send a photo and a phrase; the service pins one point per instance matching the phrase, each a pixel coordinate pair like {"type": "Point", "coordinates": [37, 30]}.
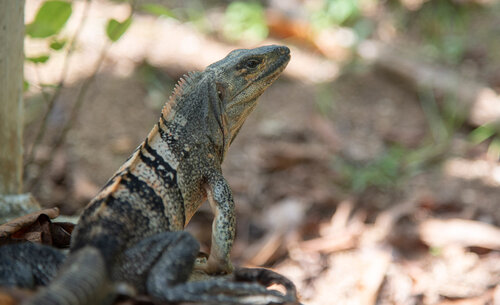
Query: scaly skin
{"type": "Point", "coordinates": [168, 177]}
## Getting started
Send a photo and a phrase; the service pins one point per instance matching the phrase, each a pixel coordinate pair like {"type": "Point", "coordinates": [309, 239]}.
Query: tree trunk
{"type": "Point", "coordinates": [12, 202]}
{"type": "Point", "coordinates": [11, 99]}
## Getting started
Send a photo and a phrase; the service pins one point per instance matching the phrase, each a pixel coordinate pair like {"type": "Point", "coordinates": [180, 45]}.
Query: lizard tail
{"type": "Point", "coordinates": [83, 279]}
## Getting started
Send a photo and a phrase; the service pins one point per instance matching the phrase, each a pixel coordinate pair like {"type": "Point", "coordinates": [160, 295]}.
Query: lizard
{"type": "Point", "coordinates": [134, 225]}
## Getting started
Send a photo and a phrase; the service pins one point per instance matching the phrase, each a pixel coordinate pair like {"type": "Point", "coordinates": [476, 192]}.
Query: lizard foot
{"type": "Point", "coordinates": [28, 265]}
{"type": "Point", "coordinates": [223, 291]}
{"type": "Point", "coordinates": [267, 278]}
{"type": "Point", "coordinates": [166, 261]}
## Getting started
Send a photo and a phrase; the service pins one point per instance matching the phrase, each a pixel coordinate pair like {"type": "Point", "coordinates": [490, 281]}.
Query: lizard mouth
{"type": "Point", "coordinates": [278, 59]}
{"type": "Point", "coordinates": [276, 68]}
{"type": "Point", "coordinates": [272, 72]}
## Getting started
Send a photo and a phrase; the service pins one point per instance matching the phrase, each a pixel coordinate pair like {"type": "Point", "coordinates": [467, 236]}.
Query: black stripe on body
{"type": "Point", "coordinates": [132, 154]}
{"type": "Point", "coordinates": [162, 119]}
{"type": "Point", "coordinates": [137, 218]}
{"type": "Point", "coordinates": [167, 136]}
{"type": "Point", "coordinates": [136, 186]}
{"type": "Point", "coordinates": [161, 167]}
{"type": "Point", "coordinates": [168, 175]}
{"type": "Point", "coordinates": [113, 178]}
{"type": "Point", "coordinates": [123, 224]}
{"type": "Point", "coordinates": [103, 233]}
{"type": "Point", "coordinates": [110, 181]}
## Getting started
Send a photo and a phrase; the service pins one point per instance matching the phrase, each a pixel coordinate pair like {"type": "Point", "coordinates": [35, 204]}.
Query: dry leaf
{"type": "Point", "coordinates": [17, 224]}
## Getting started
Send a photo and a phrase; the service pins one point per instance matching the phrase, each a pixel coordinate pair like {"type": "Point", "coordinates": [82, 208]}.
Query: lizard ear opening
{"type": "Point", "coordinates": [220, 91]}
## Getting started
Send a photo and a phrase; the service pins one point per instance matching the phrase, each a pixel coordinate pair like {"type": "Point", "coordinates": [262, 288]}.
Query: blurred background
{"type": "Point", "coordinates": [368, 174]}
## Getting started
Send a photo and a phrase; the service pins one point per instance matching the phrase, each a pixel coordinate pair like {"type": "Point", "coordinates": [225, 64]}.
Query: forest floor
{"type": "Point", "coordinates": [348, 186]}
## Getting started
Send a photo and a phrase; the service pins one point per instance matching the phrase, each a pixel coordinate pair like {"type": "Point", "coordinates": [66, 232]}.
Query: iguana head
{"type": "Point", "coordinates": [241, 77]}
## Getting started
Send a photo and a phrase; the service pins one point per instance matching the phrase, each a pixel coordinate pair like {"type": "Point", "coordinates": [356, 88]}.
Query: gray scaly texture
{"type": "Point", "coordinates": [134, 225]}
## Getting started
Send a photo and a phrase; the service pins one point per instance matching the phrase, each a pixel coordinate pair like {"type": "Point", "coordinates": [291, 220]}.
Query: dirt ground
{"type": "Point", "coordinates": [308, 205]}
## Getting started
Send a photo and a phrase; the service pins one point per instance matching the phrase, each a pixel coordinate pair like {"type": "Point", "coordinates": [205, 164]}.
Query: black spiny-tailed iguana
{"type": "Point", "coordinates": [134, 225]}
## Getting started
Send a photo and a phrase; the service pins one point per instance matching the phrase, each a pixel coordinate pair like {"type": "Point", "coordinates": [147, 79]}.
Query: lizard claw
{"type": "Point", "coordinates": [266, 278]}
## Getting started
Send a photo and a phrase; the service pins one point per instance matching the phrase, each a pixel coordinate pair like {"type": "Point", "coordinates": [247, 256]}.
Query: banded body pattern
{"type": "Point", "coordinates": [144, 196]}
{"type": "Point", "coordinates": [134, 222]}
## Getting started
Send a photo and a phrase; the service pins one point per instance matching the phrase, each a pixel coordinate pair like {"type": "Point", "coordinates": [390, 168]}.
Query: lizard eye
{"type": "Point", "coordinates": [252, 63]}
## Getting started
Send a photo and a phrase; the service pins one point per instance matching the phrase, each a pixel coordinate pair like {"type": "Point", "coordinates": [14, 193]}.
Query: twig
{"type": "Point", "coordinates": [45, 95]}
{"type": "Point", "coordinates": [74, 114]}
{"type": "Point", "coordinates": [342, 233]}
{"type": "Point", "coordinates": [373, 276]}
{"type": "Point", "coordinates": [79, 101]}
{"type": "Point", "coordinates": [76, 108]}
{"type": "Point", "coordinates": [60, 85]}
{"type": "Point", "coordinates": [385, 222]}
{"type": "Point", "coordinates": [462, 232]}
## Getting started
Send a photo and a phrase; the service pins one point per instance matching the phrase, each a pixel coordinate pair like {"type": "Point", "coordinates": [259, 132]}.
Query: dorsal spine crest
{"type": "Point", "coordinates": [183, 83]}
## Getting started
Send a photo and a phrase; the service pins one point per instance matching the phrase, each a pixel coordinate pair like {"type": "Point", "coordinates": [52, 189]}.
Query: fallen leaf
{"type": "Point", "coordinates": [15, 225]}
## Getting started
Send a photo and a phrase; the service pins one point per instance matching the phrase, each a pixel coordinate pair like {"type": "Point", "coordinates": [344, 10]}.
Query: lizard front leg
{"type": "Point", "coordinates": [224, 224]}
{"type": "Point", "coordinates": [160, 265]}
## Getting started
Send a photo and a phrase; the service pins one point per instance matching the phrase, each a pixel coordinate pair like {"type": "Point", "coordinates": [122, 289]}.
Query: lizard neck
{"type": "Point", "coordinates": [194, 115]}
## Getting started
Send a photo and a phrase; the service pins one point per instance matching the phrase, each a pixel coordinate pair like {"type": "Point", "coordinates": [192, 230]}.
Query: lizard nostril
{"type": "Point", "coordinates": [284, 50]}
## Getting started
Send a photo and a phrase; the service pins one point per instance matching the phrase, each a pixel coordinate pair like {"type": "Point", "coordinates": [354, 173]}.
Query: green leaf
{"type": "Point", "coordinates": [38, 59]}
{"type": "Point", "coordinates": [50, 19]}
{"type": "Point", "coordinates": [26, 85]}
{"type": "Point", "coordinates": [157, 9]}
{"type": "Point", "coordinates": [481, 133]}
{"type": "Point", "coordinates": [54, 86]}
{"type": "Point", "coordinates": [245, 21]}
{"type": "Point", "coordinates": [57, 45]}
{"type": "Point", "coordinates": [116, 29]}
{"type": "Point", "coordinates": [340, 11]}
{"type": "Point", "coordinates": [494, 148]}
{"type": "Point", "coordinates": [435, 251]}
